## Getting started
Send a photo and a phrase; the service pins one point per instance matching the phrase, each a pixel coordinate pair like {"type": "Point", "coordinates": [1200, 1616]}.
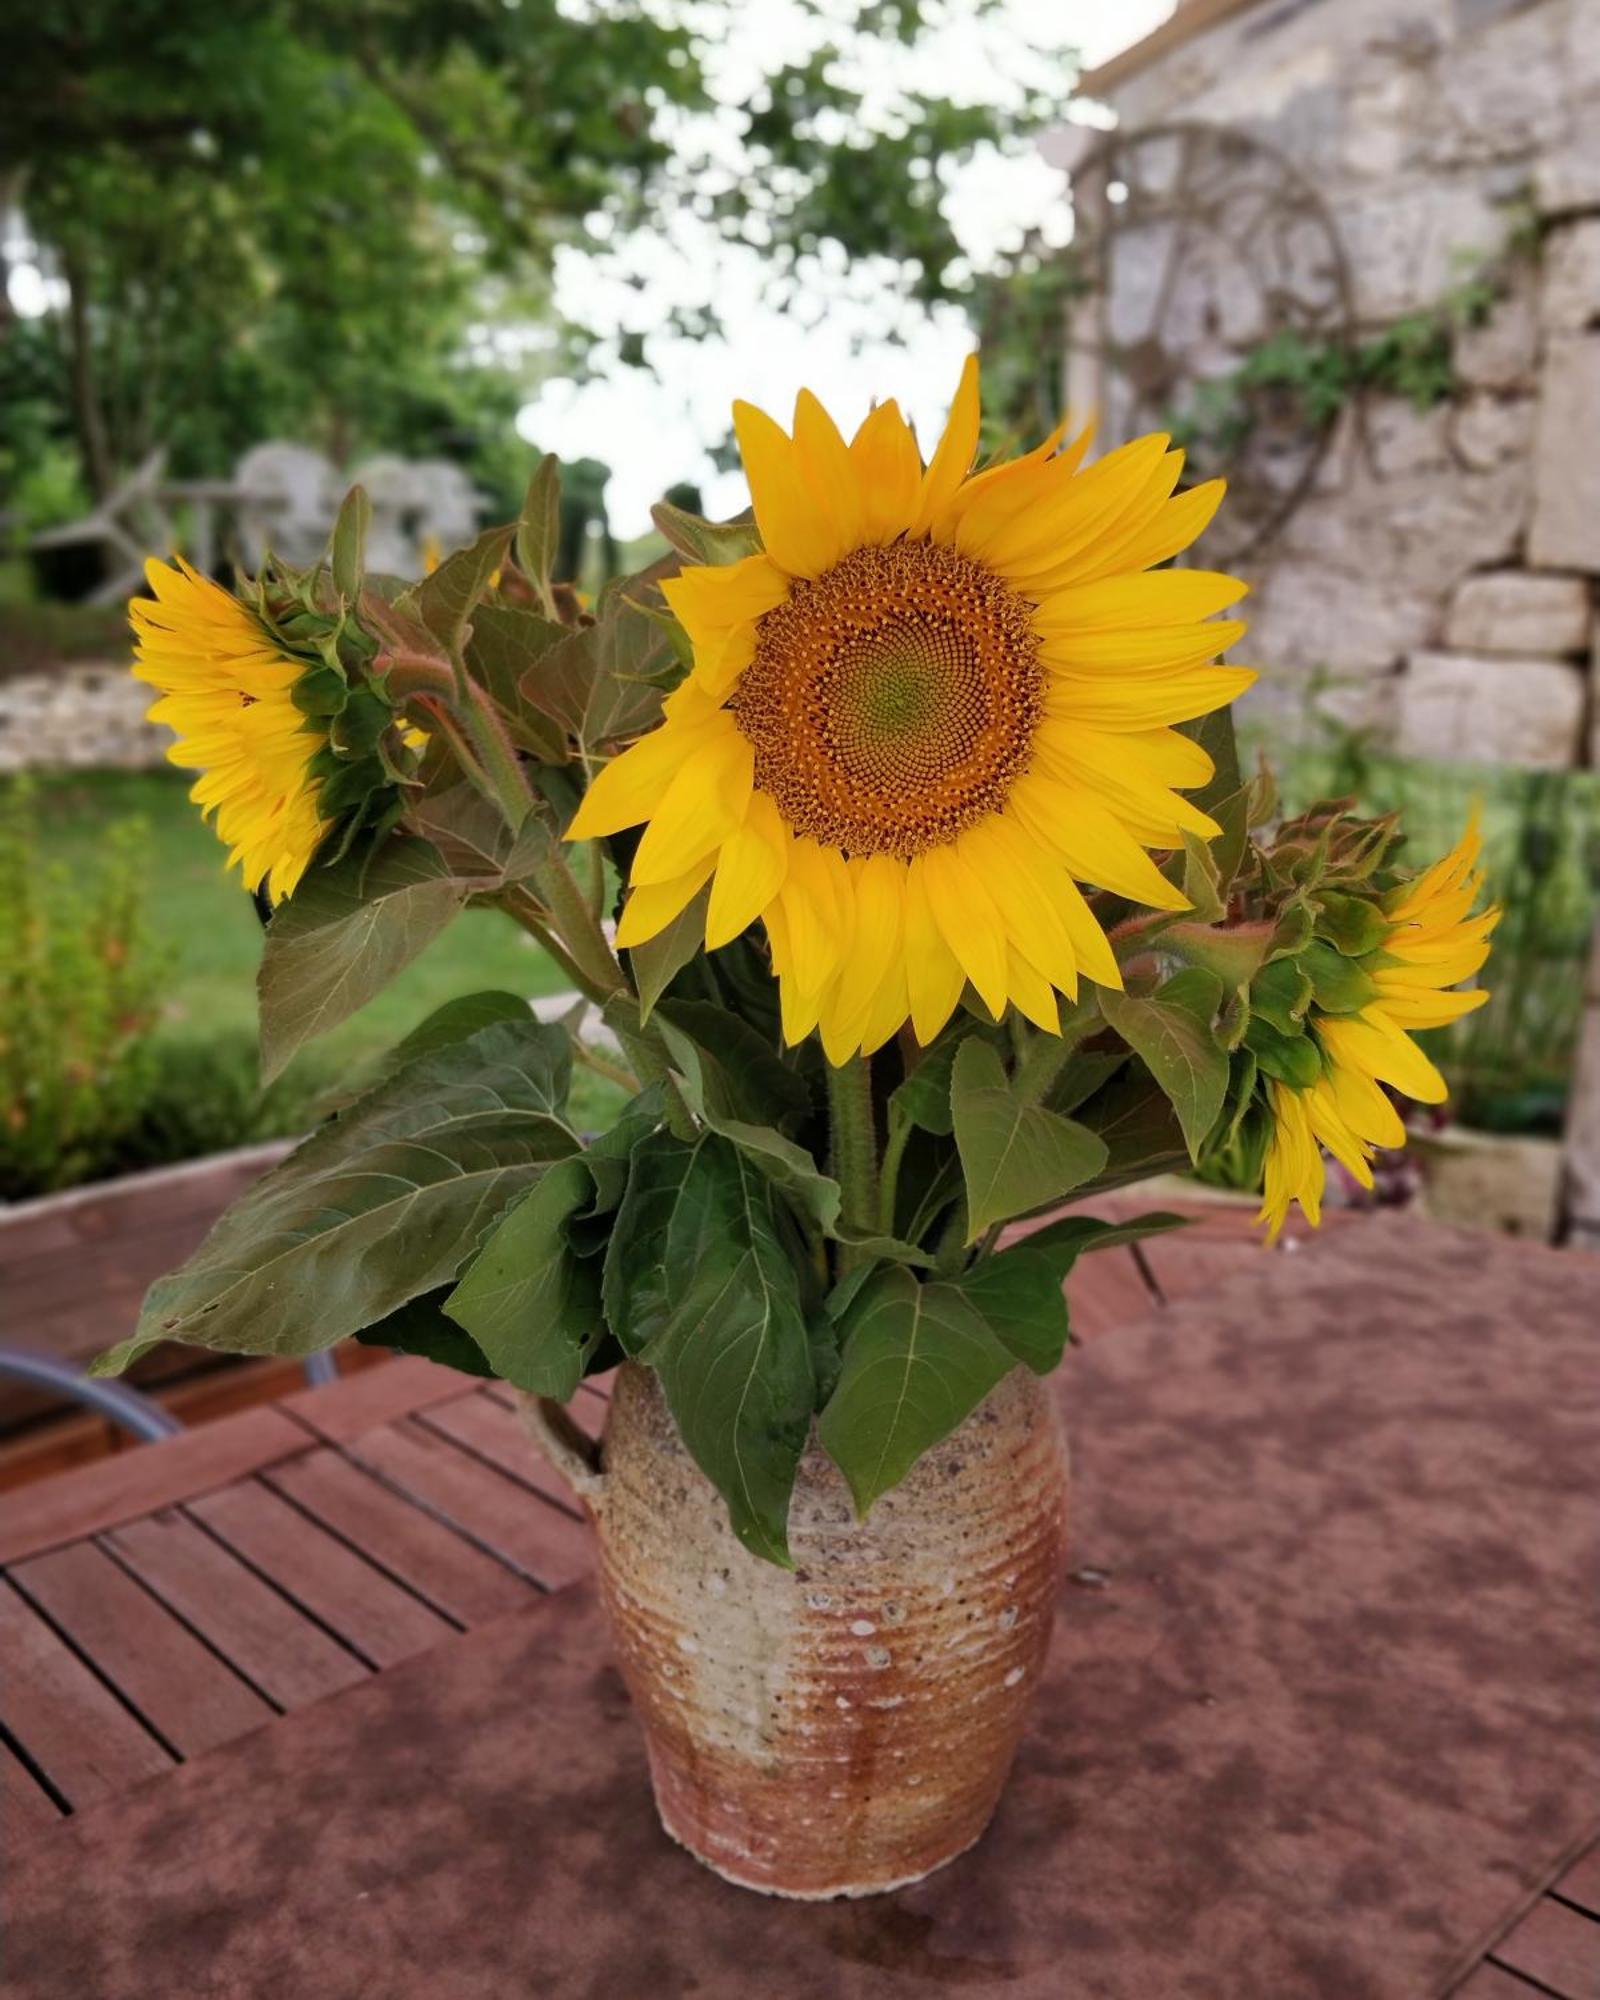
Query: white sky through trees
{"type": "Point", "coordinates": [848, 336]}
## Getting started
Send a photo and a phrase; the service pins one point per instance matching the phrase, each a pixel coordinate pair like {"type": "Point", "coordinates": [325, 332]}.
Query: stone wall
{"type": "Point", "coordinates": [75, 718]}
{"type": "Point", "coordinates": [1438, 583]}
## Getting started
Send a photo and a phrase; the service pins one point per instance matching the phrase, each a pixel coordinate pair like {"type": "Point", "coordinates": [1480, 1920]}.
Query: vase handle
{"type": "Point", "coordinates": [569, 1448]}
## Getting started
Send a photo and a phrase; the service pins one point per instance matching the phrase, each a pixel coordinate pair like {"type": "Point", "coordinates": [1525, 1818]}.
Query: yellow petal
{"type": "Point", "coordinates": [879, 883]}
{"type": "Point", "coordinates": [817, 904]}
{"type": "Point", "coordinates": [708, 599]}
{"type": "Point", "coordinates": [934, 978]}
{"type": "Point", "coordinates": [1179, 522]}
{"type": "Point", "coordinates": [888, 473]}
{"type": "Point", "coordinates": [1032, 992]}
{"type": "Point", "coordinates": [1372, 1044]}
{"type": "Point", "coordinates": [1081, 512]}
{"type": "Point", "coordinates": [798, 536]}
{"type": "Point", "coordinates": [629, 788]}
{"type": "Point", "coordinates": [750, 871]}
{"type": "Point", "coordinates": [1005, 860]}
{"type": "Point", "coordinates": [1151, 597]}
{"type": "Point", "coordinates": [825, 459]}
{"type": "Point", "coordinates": [955, 453]}
{"type": "Point", "coordinates": [651, 906]}
{"type": "Point", "coordinates": [1089, 839]}
{"type": "Point", "coordinates": [1144, 701]}
{"type": "Point", "coordinates": [971, 925]}
{"type": "Point", "coordinates": [700, 808]}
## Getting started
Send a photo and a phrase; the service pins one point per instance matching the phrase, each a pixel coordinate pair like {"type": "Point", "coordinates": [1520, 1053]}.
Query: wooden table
{"type": "Point", "coordinates": [323, 1690]}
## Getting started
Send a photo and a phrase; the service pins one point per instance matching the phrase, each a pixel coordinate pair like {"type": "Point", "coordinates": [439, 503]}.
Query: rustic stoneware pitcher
{"type": "Point", "coordinates": [847, 1726]}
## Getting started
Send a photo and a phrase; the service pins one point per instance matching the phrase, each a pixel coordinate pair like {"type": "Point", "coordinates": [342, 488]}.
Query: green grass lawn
{"type": "Point", "coordinates": [205, 931]}
{"type": "Point", "coordinates": [206, 926]}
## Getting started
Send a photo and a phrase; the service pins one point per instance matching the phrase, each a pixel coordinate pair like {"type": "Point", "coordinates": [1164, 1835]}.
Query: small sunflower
{"type": "Point", "coordinates": [227, 692]}
{"type": "Point", "coordinates": [1434, 941]}
{"type": "Point", "coordinates": [934, 704]}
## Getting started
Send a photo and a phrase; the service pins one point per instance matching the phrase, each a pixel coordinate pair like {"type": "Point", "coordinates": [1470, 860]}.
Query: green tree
{"type": "Point", "coordinates": [289, 216]}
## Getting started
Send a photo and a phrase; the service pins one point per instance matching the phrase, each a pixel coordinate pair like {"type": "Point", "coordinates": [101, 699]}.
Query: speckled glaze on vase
{"type": "Point", "coordinates": [848, 1726]}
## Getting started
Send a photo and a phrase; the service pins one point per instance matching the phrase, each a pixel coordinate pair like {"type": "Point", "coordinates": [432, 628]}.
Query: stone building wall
{"type": "Point", "coordinates": [78, 718]}
{"type": "Point", "coordinates": [1439, 581]}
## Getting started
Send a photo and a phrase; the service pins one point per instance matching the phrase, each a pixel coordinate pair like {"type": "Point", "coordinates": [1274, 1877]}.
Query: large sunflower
{"type": "Point", "coordinates": [1434, 941]}
{"type": "Point", "coordinates": [227, 689]}
{"type": "Point", "coordinates": [934, 704]}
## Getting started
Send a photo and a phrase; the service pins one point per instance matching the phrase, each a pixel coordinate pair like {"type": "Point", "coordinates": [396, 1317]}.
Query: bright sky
{"type": "Point", "coordinates": [851, 340]}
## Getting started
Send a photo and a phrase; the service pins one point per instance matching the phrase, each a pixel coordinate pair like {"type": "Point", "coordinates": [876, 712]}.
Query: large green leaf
{"type": "Point", "coordinates": [383, 1204]}
{"type": "Point", "coordinates": [528, 1301]}
{"type": "Point", "coordinates": [446, 600]}
{"type": "Point", "coordinates": [744, 1074]}
{"type": "Point", "coordinates": [420, 1327]}
{"type": "Point", "coordinates": [348, 931]}
{"type": "Point", "coordinates": [1172, 1031]}
{"type": "Point", "coordinates": [1018, 1296]}
{"type": "Point", "coordinates": [347, 549]}
{"type": "Point", "coordinates": [1134, 1118]}
{"type": "Point", "coordinates": [1063, 1242]}
{"type": "Point", "coordinates": [453, 1022]}
{"type": "Point", "coordinates": [538, 531]}
{"type": "Point", "coordinates": [659, 960]}
{"type": "Point", "coordinates": [918, 1359]}
{"type": "Point", "coordinates": [699, 1286]}
{"type": "Point", "coordinates": [1015, 1156]}
{"type": "Point", "coordinates": [705, 541]}
{"type": "Point", "coordinates": [506, 640]}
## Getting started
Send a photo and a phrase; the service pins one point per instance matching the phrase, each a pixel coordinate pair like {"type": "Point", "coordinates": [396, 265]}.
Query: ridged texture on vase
{"type": "Point", "coordinates": [848, 1725]}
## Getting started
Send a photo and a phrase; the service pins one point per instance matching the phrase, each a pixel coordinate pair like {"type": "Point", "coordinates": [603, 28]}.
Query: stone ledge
{"type": "Point", "coordinates": [1511, 611]}
{"type": "Point", "coordinates": [1467, 708]}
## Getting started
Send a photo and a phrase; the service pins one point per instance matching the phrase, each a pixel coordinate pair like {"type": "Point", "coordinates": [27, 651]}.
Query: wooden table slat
{"type": "Point", "coordinates": [1581, 1883]}
{"type": "Point", "coordinates": [1493, 1982]}
{"type": "Point", "coordinates": [279, 1650]}
{"type": "Point", "coordinates": [344, 1410]}
{"type": "Point", "coordinates": [453, 1574]}
{"type": "Point", "coordinates": [370, 1612]}
{"type": "Point", "coordinates": [1106, 1290]}
{"type": "Point", "coordinates": [155, 1662]}
{"type": "Point", "coordinates": [1557, 1946]}
{"type": "Point", "coordinates": [517, 1525]}
{"type": "Point", "coordinates": [136, 1482]}
{"type": "Point", "coordinates": [73, 1728]}
{"type": "Point", "coordinates": [485, 1427]}
{"type": "Point", "coordinates": [26, 1809]}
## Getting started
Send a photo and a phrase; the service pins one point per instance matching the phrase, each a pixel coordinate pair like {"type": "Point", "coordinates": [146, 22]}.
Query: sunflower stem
{"type": "Point", "coordinates": [854, 1146]}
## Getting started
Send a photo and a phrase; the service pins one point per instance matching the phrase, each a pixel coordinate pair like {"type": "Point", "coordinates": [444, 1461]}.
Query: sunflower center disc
{"type": "Point", "coordinates": [892, 701]}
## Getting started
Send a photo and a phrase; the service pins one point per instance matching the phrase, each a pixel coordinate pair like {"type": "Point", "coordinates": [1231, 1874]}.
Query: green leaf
{"type": "Point", "coordinates": [1063, 1242]}
{"type": "Point", "coordinates": [1339, 985]}
{"type": "Point", "coordinates": [446, 600]}
{"type": "Point", "coordinates": [530, 1304]}
{"type": "Point", "coordinates": [658, 961]}
{"type": "Point", "coordinates": [707, 1092]}
{"type": "Point", "coordinates": [924, 1096]}
{"type": "Point", "coordinates": [1019, 1298]}
{"type": "Point", "coordinates": [420, 1327]}
{"type": "Point", "coordinates": [1233, 814]}
{"type": "Point", "coordinates": [1134, 1119]}
{"type": "Point", "coordinates": [1292, 1059]}
{"type": "Point", "coordinates": [1014, 1156]}
{"type": "Point", "coordinates": [453, 1022]}
{"type": "Point", "coordinates": [918, 1360]}
{"type": "Point", "coordinates": [1215, 734]}
{"type": "Point", "coordinates": [343, 936]}
{"type": "Point", "coordinates": [699, 1286]}
{"type": "Point", "coordinates": [1081, 1076]}
{"type": "Point", "coordinates": [348, 548]}
{"type": "Point", "coordinates": [506, 641]}
{"type": "Point", "coordinates": [1280, 993]}
{"type": "Point", "coordinates": [706, 541]}
{"type": "Point", "coordinates": [1235, 953]}
{"type": "Point", "coordinates": [385, 1203]}
{"type": "Point", "coordinates": [745, 1076]}
{"type": "Point", "coordinates": [538, 531]}
{"type": "Point", "coordinates": [1171, 1031]}
{"type": "Point", "coordinates": [882, 1249]}
{"type": "Point", "coordinates": [1351, 924]}
{"type": "Point", "coordinates": [1198, 877]}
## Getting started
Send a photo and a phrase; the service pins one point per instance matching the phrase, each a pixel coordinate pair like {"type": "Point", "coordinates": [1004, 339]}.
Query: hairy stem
{"type": "Point", "coordinates": [854, 1145]}
{"type": "Point", "coordinates": [889, 1181]}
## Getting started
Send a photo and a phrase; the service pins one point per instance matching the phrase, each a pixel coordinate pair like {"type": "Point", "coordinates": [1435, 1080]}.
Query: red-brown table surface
{"type": "Point", "coordinates": [1320, 1718]}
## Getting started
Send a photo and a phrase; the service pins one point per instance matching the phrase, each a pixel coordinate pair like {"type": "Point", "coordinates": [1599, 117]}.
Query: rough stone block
{"type": "Point", "coordinates": [1567, 180]}
{"type": "Point", "coordinates": [1502, 353]}
{"type": "Point", "coordinates": [1478, 709]}
{"type": "Point", "coordinates": [1489, 431]}
{"type": "Point", "coordinates": [1565, 531]}
{"type": "Point", "coordinates": [1570, 297]}
{"type": "Point", "coordinates": [1511, 611]}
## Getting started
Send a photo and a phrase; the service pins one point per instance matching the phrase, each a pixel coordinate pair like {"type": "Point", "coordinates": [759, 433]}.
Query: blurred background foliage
{"type": "Point", "coordinates": [327, 219]}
